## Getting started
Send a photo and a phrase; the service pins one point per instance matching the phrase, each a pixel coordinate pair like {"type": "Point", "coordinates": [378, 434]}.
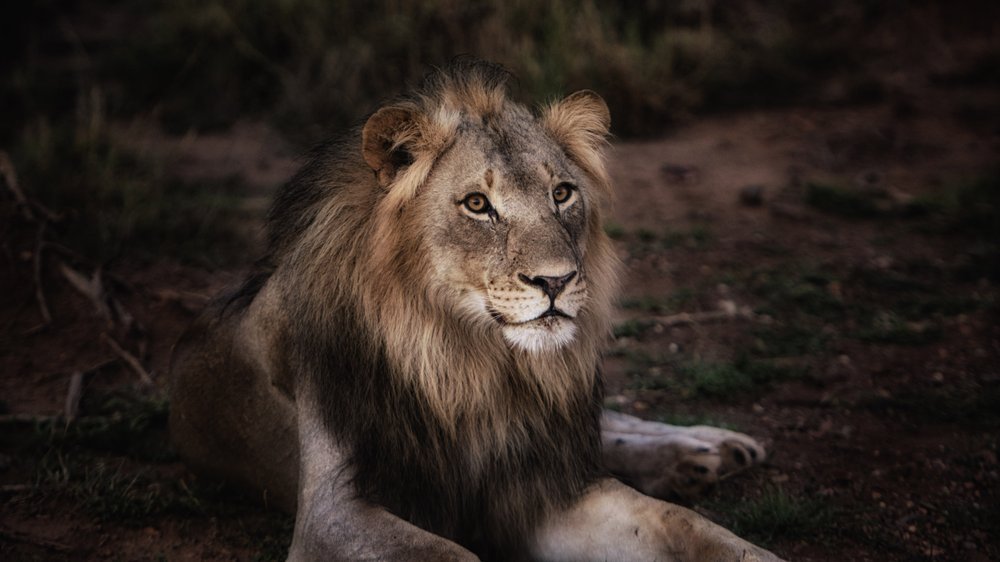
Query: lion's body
{"type": "Point", "coordinates": [427, 354]}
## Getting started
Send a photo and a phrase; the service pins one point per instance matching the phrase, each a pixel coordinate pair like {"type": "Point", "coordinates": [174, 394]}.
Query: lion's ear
{"type": "Point", "coordinates": [580, 119]}
{"type": "Point", "coordinates": [387, 140]}
{"type": "Point", "coordinates": [580, 123]}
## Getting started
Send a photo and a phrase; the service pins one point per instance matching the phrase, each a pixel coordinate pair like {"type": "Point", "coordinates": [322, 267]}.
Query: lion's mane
{"type": "Point", "coordinates": [445, 424]}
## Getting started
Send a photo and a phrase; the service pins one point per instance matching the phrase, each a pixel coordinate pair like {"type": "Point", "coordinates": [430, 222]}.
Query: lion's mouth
{"type": "Point", "coordinates": [552, 312]}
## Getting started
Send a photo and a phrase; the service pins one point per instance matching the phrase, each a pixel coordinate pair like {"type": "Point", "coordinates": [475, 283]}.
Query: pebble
{"type": "Point", "coordinates": [752, 195]}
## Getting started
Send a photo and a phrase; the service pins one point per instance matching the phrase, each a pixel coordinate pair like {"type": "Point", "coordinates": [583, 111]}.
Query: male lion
{"type": "Point", "coordinates": [414, 370]}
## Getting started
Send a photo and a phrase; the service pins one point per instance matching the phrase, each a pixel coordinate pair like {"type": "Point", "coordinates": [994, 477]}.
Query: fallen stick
{"type": "Point", "coordinates": [9, 176]}
{"type": "Point", "coordinates": [73, 396]}
{"type": "Point", "coordinates": [92, 288]}
{"type": "Point", "coordinates": [36, 541]}
{"type": "Point", "coordinates": [15, 488]}
{"type": "Point", "coordinates": [129, 359]}
{"type": "Point", "coordinates": [43, 306]}
{"type": "Point", "coordinates": [22, 419]}
{"type": "Point", "coordinates": [685, 318]}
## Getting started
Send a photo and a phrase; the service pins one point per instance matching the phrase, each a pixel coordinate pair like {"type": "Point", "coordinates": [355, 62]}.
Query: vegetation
{"type": "Point", "coordinates": [846, 203]}
{"type": "Point", "coordinates": [312, 64]}
{"type": "Point", "coordinates": [313, 67]}
{"type": "Point", "coordinates": [776, 514]}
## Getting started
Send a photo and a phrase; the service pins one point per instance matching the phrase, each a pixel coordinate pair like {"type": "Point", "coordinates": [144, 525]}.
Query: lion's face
{"type": "Point", "coordinates": [503, 206]}
{"type": "Point", "coordinates": [506, 231]}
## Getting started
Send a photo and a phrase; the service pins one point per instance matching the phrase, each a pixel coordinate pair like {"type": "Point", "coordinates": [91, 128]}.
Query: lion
{"type": "Point", "coordinates": [413, 368]}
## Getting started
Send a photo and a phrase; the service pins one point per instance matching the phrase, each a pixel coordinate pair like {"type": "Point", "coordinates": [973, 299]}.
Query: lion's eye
{"type": "Point", "coordinates": [477, 203]}
{"type": "Point", "coordinates": [562, 193]}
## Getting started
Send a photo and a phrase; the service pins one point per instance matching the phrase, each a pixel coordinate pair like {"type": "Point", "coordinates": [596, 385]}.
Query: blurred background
{"type": "Point", "coordinates": [807, 213]}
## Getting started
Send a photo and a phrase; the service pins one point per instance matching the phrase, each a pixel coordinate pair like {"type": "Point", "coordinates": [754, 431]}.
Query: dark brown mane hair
{"type": "Point", "coordinates": [465, 436]}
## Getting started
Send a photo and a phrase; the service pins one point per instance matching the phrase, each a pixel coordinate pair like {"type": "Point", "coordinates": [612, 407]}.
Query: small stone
{"type": "Point", "coordinates": [787, 211]}
{"type": "Point", "coordinates": [678, 173]}
{"type": "Point", "coordinates": [752, 195]}
{"type": "Point", "coordinates": [673, 347]}
{"type": "Point", "coordinates": [729, 307]}
{"type": "Point", "coordinates": [757, 408]}
{"type": "Point", "coordinates": [616, 400]}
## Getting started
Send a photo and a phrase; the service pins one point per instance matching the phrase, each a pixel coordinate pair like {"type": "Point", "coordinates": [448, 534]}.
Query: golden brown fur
{"type": "Point", "coordinates": [358, 305]}
{"type": "Point", "coordinates": [407, 369]}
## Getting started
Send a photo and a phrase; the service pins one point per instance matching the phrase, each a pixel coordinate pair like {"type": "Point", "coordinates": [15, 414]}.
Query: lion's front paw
{"type": "Point", "coordinates": [672, 462]}
{"type": "Point", "coordinates": [737, 451]}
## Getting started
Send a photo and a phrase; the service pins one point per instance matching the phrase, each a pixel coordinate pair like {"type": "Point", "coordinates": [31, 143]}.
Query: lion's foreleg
{"type": "Point", "coordinates": [670, 461]}
{"type": "Point", "coordinates": [614, 522]}
{"type": "Point", "coordinates": [331, 523]}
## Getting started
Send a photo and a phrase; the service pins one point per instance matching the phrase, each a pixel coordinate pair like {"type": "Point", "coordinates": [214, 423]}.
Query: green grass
{"type": "Point", "coordinates": [715, 380]}
{"type": "Point", "coordinates": [777, 514]}
{"type": "Point", "coordinates": [697, 237]}
{"type": "Point", "coordinates": [312, 68]}
{"type": "Point", "coordinates": [204, 64]}
{"type": "Point", "coordinates": [888, 327]}
{"type": "Point", "coordinates": [660, 305]}
{"type": "Point", "coordinates": [689, 419]}
{"type": "Point", "coordinates": [843, 202]}
{"type": "Point", "coordinates": [787, 340]}
{"type": "Point", "coordinates": [111, 494]}
{"type": "Point", "coordinates": [114, 465]}
{"type": "Point", "coordinates": [795, 290]}
{"type": "Point", "coordinates": [743, 378]}
{"type": "Point", "coordinates": [614, 230]}
{"type": "Point", "coordinates": [89, 459]}
{"type": "Point", "coordinates": [117, 201]}
{"type": "Point", "coordinates": [118, 423]}
{"type": "Point", "coordinates": [968, 209]}
{"type": "Point", "coordinates": [967, 406]}
{"type": "Point", "coordinates": [632, 328]}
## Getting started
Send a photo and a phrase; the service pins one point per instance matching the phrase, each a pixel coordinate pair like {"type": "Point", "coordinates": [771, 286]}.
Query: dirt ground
{"type": "Point", "coordinates": [858, 338]}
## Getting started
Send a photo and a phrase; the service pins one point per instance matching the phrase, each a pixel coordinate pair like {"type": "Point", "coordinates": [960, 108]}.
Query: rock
{"type": "Point", "coordinates": [678, 173]}
{"type": "Point", "coordinates": [787, 211]}
{"type": "Point", "coordinates": [752, 195]}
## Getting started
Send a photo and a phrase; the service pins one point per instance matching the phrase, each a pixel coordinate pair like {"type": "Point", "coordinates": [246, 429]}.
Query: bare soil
{"type": "Point", "coordinates": [864, 350]}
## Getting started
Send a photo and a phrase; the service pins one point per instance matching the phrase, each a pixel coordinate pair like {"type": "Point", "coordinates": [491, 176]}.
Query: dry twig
{"type": "Point", "coordinates": [9, 177]}
{"type": "Point", "coordinates": [92, 288]}
{"type": "Point", "coordinates": [129, 359]}
{"type": "Point", "coordinates": [727, 311]}
{"type": "Point", "coordinates": [43, 306]}
{"type": "Point", "coordinates": [23, 419]}
{"type": "Point", "coordinates": [36, 541]}
{"type": "Point", "coordinates": [15, 488]}
{"type": "Point", "coordinates": [73, 396]}
{"type": "Point", "coordinates": [27, 206]}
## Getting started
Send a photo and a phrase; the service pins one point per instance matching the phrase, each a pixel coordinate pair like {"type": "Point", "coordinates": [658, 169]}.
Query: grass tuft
{"type": "Point", "coordinates": [777, 514]}
{"type": "Point", "coordinates": [845, 203]}
{"type": "Point", "coordinates": [632, 328]}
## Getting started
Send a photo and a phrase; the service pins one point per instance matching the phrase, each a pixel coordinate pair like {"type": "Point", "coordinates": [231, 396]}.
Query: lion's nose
{"type": "Point", "coordinates": [551, 286]}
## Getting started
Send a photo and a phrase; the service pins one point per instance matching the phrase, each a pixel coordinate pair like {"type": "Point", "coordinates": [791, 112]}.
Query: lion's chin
{"type": "Point", "coordinates": [541, 335]}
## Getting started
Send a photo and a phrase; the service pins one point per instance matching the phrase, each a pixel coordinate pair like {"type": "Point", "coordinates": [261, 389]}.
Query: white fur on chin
{"type": "Point", "coordinates": [539, 336]}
